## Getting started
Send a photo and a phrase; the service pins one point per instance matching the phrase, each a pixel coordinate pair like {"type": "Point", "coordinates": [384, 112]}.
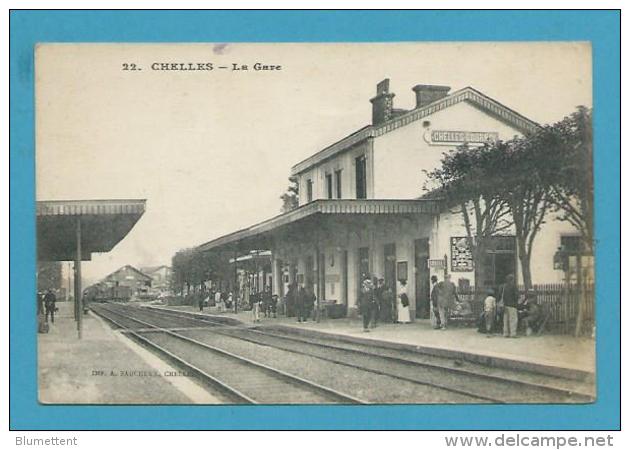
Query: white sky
{"type": "Point", "coordinates": [211, 151]}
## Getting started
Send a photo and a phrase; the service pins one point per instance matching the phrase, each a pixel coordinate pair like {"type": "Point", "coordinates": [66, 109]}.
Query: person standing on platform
{"type": "Point", "coordinates": [217, 297]}
{"type": "Point", "coordinates": [229, 302]}
{"type": "Point", "coordinates": [366, 302]}
{"type": "Point", "coordinates": [490, 311]}
{"type": "Point", "coordinates": [50, 303]}
{"type": "Point", "coordinates": [254, 299]}
{"type": "Point", "coordinates": [384, 304]}
{"type": "Point", "coordinates": [435, 314]}
{"type": "Point", "coordinates": [447, 297]}
{"type": "Point", "coordinates": [309, 304]}
{"type": "Point", "coordinates": [376, 302]}
{"type": "Point", "coordinates": [390, 300]}
{"type": "Point", "coordinates": [290, 300]}
{"type": "Point", "coordinates": [266, 301]}
{"type": "Point", "coordinates": [300, 300]}
{"type": "Point", "coordinates": [403, 304]}
{"type": "Point", "coordinates": [509, 298]}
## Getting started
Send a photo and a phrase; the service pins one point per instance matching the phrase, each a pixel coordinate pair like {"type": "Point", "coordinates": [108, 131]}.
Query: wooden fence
{"type": "Point", "coordinates": [559, 301]}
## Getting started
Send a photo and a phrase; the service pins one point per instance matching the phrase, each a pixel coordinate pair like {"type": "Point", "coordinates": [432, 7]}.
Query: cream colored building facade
{"type": "Point", "coordinates": [360, 211]}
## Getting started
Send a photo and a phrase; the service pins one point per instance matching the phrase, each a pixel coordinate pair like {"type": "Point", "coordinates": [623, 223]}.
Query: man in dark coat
{"type": "Point", "coordinates": [384, 303]}
{"type": "Point", "coordinates": [266, 301]}
{"type": "Point", "coordinates": [309, 303]}
{"type": "Point", "coordinates": [437, 323]}
{"type": "Point", "coordinates": [50, 303]}
{"type": "Point", "coordinates": [290, 300]}
{"type": "Point", "coordinates": [367, 303]}
{"type": "Point", "coordinates": [300, 300]}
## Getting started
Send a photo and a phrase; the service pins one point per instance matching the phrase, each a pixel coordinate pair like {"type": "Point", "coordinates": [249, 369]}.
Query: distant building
{"type": "Point", "coordinates": [160, 277]}
{"type": "Point", "coordinates": [138, 282]}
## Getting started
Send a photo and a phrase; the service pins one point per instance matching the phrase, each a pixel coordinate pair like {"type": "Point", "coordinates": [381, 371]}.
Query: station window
{"type": "Point", "coordinates": [338, 183]}
{"type": "Point", "coordinates": [309, 190]}
{"type": "Point", "coordinates": [361, 176]}
{"type": "Point", "coordinates": [571, 244]}
{"type": "Point", "coordinates": [329, 186]}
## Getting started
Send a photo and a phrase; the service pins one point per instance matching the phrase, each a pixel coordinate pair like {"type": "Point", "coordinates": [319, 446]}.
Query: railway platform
{"type": "Point", "coordinates": [556, 355]}
{"type": "Point", "coordinates": [105, 368]}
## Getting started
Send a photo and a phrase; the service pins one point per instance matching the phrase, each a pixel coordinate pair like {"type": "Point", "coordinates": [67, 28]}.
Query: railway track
{"type": "Point", "coordinates": [249, 381]}
{"type": "Point", "coordinates": [505, 384]}
{"type": "Point", "coordinates": [475, 384]}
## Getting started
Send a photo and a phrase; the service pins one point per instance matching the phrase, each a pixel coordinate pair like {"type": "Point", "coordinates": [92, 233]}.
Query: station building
{"type": "Point", "coordinates": [362, 211]}
{"type": "Point", "coordinates": [160, 277]}
{"type": "Point", "coordinates": [128, 276]}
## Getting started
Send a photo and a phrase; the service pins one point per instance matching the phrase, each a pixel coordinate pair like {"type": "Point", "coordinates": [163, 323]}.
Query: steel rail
{"type": "Point", "coordinates": [294, 379]}
{"type": "Point", "coordinates": [458, 371]}
{"type": "Point", "coordinates": [209, 379]}
{"type": "Point", "coordinates": [446, 388]}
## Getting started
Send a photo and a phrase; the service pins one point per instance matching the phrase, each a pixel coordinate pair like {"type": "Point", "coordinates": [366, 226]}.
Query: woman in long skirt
{"type": "Point", "coordinates": [402, 304]}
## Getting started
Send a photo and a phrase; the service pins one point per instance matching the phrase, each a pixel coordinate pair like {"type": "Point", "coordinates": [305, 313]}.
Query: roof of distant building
{"type": "Point", "coordinates": [128, 266]}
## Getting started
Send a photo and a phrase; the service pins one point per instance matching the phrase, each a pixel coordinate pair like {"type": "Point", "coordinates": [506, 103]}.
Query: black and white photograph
{"type": "Point", "coordinates": [315, 223]}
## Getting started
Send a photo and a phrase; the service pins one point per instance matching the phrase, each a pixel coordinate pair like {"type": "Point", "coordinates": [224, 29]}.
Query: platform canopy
{"type": "Point", "coordinates": [313, 216]}
{"type": "Point", "coordinates": [103, 223]}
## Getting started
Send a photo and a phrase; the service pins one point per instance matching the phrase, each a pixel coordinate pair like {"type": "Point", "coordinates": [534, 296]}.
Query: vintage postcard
{"type": "Point", "coordinates": [302, 223]}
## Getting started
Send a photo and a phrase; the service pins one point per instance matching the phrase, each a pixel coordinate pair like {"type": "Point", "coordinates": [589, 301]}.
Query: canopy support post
{"type": "Point", "coordinates": [235, 293]}
{"type": "Point", "coordinates": [78, 298]}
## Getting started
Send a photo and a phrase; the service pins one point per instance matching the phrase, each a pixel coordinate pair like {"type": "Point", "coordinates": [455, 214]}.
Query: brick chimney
{"type": "Point", "coordinates": [383, 103]}
{"type": "Point", "coordinates": [428, 93]}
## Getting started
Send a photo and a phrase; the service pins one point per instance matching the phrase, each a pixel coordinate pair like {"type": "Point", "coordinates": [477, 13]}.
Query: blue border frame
{"type": "Point", "coordinates": [602, 28]}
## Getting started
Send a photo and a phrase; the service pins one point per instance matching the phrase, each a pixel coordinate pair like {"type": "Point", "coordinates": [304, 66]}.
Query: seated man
{"type": "Point", "coordinates": [530, 313]}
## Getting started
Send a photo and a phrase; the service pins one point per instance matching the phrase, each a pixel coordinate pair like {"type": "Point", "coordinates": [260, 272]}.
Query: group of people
{"type": "Point", "coordinates": [377, 302]}
{"type": "Point", "coordinates": [221, 299]}
{"type": "Point", "coordinates": [502, 308]}
{"type": "Point", "coordinates": [505, 313]}
{"type": "Point", "coordinates": [263, 301]}
{"type": "Point", "coordinates": [300, 301]}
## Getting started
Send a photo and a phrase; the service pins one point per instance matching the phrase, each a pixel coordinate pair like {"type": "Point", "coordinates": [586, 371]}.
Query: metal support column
{"type": "Point", "coordinates": [78, 298]}
{"type": "Point", "coordinates": [235, 293]}
{"type": "Point", "coordinates": [317, 277]}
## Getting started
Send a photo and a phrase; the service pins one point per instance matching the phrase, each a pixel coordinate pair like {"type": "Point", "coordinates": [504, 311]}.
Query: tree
{"type": "Point", "coordinates": [48, 275]}
{"type": "Point", "coordinates": [528, 176]}
{"type": "Point", "coordinates": [181, 264]}
{"type": "Point", "coordinates": [465, 181]}
{"type": "Point", "coordinates": [523, 181]}
{"type": "Point", "coordinates": [571, 193]}
{"type": "Point", "coordinates": [192, 268]}
{"type": "Point", "coordinates": [290, 199]}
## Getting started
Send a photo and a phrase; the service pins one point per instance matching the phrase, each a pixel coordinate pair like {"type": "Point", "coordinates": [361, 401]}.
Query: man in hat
{"type": "Point", "coordinates": [366, 301]}
{"type": "Point", "coordinates": [384, 303]}
{"type": "Point", "coordinates": [50, 303]}
{"type": "Point", "coordinates": [509, 298]}
{"type": "Point", "coordinates": [530, 313]}
{"type": "Point", "coordinates": [435, 314]}
{"type": "Point", "coordinates": [447, 298]}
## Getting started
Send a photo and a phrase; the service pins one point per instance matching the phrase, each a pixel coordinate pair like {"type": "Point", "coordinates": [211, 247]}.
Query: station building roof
{"type": "Point", "coordinates": [467, 94]}
{"type": "Point", "coordinates": [104, 223]}
{"type": "Point", "coordinates": [309, 217]}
